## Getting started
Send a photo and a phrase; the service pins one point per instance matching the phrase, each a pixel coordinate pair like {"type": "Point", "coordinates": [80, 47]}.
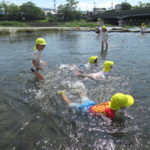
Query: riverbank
{"type": "Point", "coordinates": [12, 30]}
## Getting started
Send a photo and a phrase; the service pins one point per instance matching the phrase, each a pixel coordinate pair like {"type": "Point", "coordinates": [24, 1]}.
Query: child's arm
{"type": "Point", "coordinates": [44, 63]}
{"type": "Point", "coordinates": [98, 35]}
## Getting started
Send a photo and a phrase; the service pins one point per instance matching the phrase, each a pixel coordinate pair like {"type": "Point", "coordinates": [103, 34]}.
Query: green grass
{"type": "Point", "coordinates": [13, 24]}
{"type": "Point", "coordinates": [128, 27]}
{"type": "Point", "coordinates": [43, 20]}
{"type": "Point", "coordinates": [81, 23]}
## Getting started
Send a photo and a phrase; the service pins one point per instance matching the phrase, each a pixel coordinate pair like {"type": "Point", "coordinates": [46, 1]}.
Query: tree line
{"type": "Point", "coordinates": [29, 11]}
{"type": "Point", "coordinates": [66, 12]}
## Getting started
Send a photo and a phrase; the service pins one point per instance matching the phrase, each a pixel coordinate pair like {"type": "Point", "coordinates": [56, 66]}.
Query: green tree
{"type": "Point", "coordinates": [142, 5]}
{"type": "Point", "coordinates": [68, 11]}
{"type": "Point", "coordinates": [13, 10]}
{"type": "Point", "coordinates": [31, 12]}
{"type": "Point", "coordinates": [72, 4]}
{"type": "Point", "coordinates": [126, 6]}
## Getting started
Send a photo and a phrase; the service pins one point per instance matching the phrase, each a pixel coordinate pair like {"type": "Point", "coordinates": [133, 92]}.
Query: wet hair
{"type": "Point", "coordinates": [95, 61]}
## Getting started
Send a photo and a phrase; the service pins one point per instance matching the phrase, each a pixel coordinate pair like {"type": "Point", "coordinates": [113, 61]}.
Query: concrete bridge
{"type": "Point", "coordinates": [142, 15]}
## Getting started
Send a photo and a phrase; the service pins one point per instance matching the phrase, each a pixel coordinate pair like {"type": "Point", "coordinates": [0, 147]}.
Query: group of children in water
{"type": "Point", "coordinates": [117, 101]}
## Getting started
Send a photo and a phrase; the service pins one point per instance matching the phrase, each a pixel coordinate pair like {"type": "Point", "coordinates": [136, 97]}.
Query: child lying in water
{"type": "Point", "coordinates": [102, 74]}
{"type": "Point", "coordinates": [92, 62]}
{"type": "Point", "coordinates": [118, 101]}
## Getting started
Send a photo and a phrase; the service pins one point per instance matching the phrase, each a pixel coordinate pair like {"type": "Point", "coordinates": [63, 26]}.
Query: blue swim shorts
{"type": "Point", "coordinates": [83, 107]}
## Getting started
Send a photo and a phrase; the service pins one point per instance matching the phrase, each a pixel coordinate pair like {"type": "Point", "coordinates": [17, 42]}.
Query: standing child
{"type": "Point", "coordinates": [36, 60]}
{"type": "Point", "coordinates": [104, 37]}
{"type": "Point", "coordinates": [143, 29]}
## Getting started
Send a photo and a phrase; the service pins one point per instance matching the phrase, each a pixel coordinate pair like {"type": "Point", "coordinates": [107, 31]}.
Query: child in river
{"type": "Point", "coordinates": [118, 101]}
{"type": "Point", "coordinates": [104, 37]}
{"type": "Point", "coordinates": [102, 74]}
{"type": "Point", "coordinates": [143, 29]}
{"type": "Point", "coordinates": [36, 60]}
{"type": "Point", "coordinates": [92, 62]}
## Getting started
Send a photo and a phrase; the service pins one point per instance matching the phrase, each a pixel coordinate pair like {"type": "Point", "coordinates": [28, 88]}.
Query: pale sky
{"type": "Point", "coordinates": [82, 5]}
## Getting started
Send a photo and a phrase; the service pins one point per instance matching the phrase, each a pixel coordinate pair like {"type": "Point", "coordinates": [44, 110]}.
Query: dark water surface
{"type": "Point", "coordinates": [34, 117]}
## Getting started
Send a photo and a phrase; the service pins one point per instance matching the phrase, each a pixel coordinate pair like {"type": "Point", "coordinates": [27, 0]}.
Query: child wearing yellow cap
{"type": "Point", "coordinates": [104, 37]}
{"type": "Point", "coordinates": [92, 62]}
{"type": "Point", "coordinates": [36, 60]}
{"type": "Point", "coordinates": [102, 74]}
{"type": "Point", "coordinates": [143, 29]}
{"type": "Point", "coordinates": [118, 101]}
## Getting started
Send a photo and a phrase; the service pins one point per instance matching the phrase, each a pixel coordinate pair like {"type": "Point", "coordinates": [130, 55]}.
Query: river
{"type": "Point", "coordinates": [34, 117]}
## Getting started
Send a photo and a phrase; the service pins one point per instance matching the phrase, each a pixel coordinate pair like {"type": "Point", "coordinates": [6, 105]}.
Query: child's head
{"type": "Point", "coordinates": [120, 100]}
{"type": "Point", "coordinates": [104, 29]}
{"type": "Point", "coordinates": [40, 44]}
{"type": "Point", "coordinates": [108, 66]}
{"type": "Point", "coordinates": [93, 60]}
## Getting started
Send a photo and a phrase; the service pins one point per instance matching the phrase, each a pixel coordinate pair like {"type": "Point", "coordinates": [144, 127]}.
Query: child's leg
{"type": "Point", "coordinates": [66, 99]}
{"type": "Point", "coordinates": [106, 45]}
{"type": "Point", "coordinates": [64, 96]}
{"type": "Point", "coordinates": [102, 45]}
{"type": "Point", "coordinates": [38, 75]}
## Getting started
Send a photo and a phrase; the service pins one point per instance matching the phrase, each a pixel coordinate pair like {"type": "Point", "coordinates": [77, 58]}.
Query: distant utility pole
{"type": "Point", "coordinates": [3, 3]}
{"type": "Point", "coordinates": [54, 5]}
{"type": "Point", "coordinates": [94, 4]}
{"type": "Point", "coordinates": [112, 5]}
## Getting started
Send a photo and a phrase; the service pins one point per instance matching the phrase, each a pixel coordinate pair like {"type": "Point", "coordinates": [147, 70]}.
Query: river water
{"type": "Point", "coordinates": [34, 117]}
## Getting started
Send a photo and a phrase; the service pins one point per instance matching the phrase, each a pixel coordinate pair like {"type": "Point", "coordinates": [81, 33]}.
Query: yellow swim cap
{"type": "Point", "coordinates": [92, 59]}
{"type": "Point", "coordinates": [120, 100]}
{"type": "Point", "coordinates": [39, 41]}
{"type": "Point", "coordinates": [108, 65]}
{"type": "Point", "coordinates": [103, 27]}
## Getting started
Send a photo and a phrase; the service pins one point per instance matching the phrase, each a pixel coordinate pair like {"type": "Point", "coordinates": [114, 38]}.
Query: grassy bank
{"type": "Point", "coordinates": [81, 23]}
{"type": "Point", "coordinates": [13, 24]}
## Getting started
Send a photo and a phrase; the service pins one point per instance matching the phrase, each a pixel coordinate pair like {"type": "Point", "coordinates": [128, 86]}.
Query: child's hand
{"type": "Point", "coordinates": [45, 63]}
{"type": "Point", "coordinates": [77, 73]}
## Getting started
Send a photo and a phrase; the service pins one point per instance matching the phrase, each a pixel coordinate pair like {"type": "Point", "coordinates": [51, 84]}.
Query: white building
{"type": "Point", "coordinates": [48, 10]}
{"type": "Point", "coordinates": [98, 10]}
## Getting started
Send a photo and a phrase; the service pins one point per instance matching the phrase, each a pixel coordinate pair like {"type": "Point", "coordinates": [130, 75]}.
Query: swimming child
{"type": "Point", "coordinates": [118, 101]}
{"type": "Point", "coordinates": [92, 62]}
{"type": "Point", "coordinates": [36, 60]}
{"type": "Point", "coordinates": [104, 37]}
{"type": "Point", "coordinates": [102, 74]}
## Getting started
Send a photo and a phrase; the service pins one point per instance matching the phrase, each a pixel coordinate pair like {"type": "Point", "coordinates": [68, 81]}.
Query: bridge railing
{"type": "Point", "coordinates": [124, 11]}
